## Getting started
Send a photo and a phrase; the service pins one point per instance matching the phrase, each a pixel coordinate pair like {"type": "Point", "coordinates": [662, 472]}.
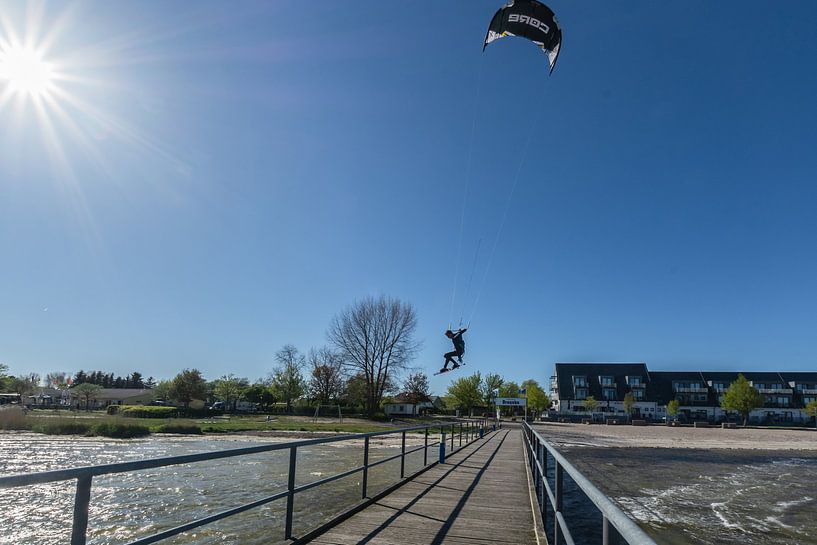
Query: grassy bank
{"type": "Point", "coordinates": [101, 424]}
{"type": "Point", "coordinates": [15, 419]}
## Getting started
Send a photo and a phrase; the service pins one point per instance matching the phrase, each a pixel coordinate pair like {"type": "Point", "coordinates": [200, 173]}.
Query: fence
{"type": "Point", "coordinates": [459, 432]}
{"type": "Point", "coordinates": [539, 453]}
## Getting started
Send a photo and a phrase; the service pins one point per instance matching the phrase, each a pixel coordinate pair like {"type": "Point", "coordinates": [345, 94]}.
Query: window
{"type": "Point", "coordinates": [783, 401]}
{"type": "Point", "coordinates": [634, 381]}
{"type": "Point", "coordinates": [609, 393]}
{"type": "Point", "coordinates": [638, 394]}
{"type": "Point", "coordinates": [606, 381]}
{"type": "Point", "coordinates": [700, 397]}
{"type": "Point", "coordinates": [581, 393]}
{"type": "Point", "coordinates": [760, 386]}
{"type": "Point", "coordinates": [579, 381]}
{"type": "Point", "coordinates": [808, 399]}
{"type": "Point", "coordinates": [777, 386]}
{"type": "Point", "coordinates": [719, 387]}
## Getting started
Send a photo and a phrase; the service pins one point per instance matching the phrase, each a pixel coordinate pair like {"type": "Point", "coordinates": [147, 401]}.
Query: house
{"type": "Point", "coordinates": [699, 393]}
{"type": "Point", "coordinates": [48, 397]}
{"type": "Point", "coordinates": [402, 406]}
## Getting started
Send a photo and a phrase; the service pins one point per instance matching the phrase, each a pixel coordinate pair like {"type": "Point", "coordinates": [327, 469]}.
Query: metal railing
{"type": "Point", "coordinates": [461, 432]}
{"type": "Point", "coordinates": [538, 452]}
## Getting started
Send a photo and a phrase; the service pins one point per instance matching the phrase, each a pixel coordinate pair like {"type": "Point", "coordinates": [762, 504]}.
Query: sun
{"type": "Point", "coordinates": [24, 71]}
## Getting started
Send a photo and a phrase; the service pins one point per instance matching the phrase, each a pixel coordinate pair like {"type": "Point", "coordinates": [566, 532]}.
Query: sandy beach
{"type": "Point", "coordinates": [583, 435]}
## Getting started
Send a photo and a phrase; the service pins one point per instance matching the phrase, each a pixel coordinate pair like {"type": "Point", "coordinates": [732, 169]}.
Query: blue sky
{"type": "Point", "coordinates": [217, 180]}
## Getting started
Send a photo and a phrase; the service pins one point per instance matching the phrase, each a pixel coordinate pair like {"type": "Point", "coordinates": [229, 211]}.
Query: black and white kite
{"type": "Point", "coordinates": [528, 19]}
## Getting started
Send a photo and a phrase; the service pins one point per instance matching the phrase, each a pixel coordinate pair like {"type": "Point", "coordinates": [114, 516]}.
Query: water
{"type": "Point", "coordinates": [708, 497]}
{"type": "Point", "coordinates": [129, 506]}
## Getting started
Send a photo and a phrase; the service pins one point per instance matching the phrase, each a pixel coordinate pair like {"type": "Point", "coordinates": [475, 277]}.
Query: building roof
{"type": "Point", "coordinates": [592, 371]}
{"type": "Point", "coordinates": [121, 393]}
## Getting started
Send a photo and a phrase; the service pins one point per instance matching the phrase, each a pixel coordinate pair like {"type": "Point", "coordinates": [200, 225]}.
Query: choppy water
{"type": "Point", "coordinates": [722, 497]}
{"type": "Point", "coordinates": [129, 506]}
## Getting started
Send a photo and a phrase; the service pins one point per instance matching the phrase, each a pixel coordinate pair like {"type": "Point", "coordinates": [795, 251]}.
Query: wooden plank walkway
{"type": "Point", "coordinates": [479, 496]}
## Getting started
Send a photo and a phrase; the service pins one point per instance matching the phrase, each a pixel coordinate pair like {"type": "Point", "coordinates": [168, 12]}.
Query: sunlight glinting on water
{"type": "Point", "coordinates": [128, 506]}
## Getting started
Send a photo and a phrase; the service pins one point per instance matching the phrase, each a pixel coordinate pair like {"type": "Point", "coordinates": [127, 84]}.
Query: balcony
{"type": "Point", "coordinates": [808, 391]}
{"type": "Point", "coordinates": [639, 385]}
{"type": "Point", "coordinates": [690, 390]}
{"type": "Point", "coordinates": [780, 391]}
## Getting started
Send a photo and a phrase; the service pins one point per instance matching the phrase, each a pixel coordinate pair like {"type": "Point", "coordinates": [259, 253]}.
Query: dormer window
{"type": "Point", "coordinates": [580, 382]}
{"type": "Point", "coordinates": [606, 381]}
{"type": "Point", "coordinates": [634, 381]}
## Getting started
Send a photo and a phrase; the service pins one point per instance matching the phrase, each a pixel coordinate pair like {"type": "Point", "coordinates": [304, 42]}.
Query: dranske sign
{"type": "Point", "coordinates": [511, 402]}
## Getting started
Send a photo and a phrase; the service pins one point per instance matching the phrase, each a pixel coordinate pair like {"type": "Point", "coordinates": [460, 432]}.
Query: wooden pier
{"type": "Point", "coordinates": [479, 496]}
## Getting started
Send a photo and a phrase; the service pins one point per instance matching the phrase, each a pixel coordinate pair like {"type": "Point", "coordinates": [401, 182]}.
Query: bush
{"type": "Point", "coordinates": [147, 411]}
{"type": "Point", "coordinates": [62, 427]}
{"type": "Point", "coordinates": [119, 430]}
{"type": "Point", "coordinates": [112, 410]}
{"type": "Point", "coordinates": [192, 429]}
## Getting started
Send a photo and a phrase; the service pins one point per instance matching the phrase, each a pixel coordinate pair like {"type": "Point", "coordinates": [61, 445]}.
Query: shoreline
{"type": "Point", "coordinates": [565, 435]}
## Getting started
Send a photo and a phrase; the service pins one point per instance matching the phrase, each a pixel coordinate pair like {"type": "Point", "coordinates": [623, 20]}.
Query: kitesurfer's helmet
{"type": "Point", "coordinates": [449, 333]}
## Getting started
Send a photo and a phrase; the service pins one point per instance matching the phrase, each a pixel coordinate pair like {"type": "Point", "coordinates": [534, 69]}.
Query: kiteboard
{"type": "Point", "coordinates": [441, 372]}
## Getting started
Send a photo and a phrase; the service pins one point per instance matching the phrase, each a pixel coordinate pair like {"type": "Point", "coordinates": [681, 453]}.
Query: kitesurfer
{"type": "Point", "coordinates": [459, 349]}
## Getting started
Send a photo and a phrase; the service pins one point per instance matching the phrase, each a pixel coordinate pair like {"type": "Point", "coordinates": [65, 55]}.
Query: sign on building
{"type": "Point", "coordinates": [511, 402]}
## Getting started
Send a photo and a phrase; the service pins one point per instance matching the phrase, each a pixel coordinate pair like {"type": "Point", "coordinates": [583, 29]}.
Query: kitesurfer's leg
{"type": "Point", "coordinates": [449, 357]}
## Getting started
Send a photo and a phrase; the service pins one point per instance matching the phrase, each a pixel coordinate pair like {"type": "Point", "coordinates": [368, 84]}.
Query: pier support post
{"type": "Point", "coordinates": [81, 501]}
{"type": "Point", "coordinates": [293, 456]}
{"type": "Point", "coordinates": [365, 482]}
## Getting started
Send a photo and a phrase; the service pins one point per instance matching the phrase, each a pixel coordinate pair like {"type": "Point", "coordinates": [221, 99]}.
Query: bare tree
{"type": "Point", "coordinates": [326, 376]}
{"type": "Point", "coordinates": [375, 337]}
{"type": "Point", "coordinates": [416, 389]}
{"type": "Point", "coordinates": [287, 381]}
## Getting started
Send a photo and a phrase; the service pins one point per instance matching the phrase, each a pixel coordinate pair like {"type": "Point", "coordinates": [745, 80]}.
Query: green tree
{"type": "Point", "coordinates": [357, 392]}
{"type": "Point", "coordinates": [230, 389]}
{"type": "Point", "coordinates": [187, 386]}
{"type": "Point", "coordinates": [260, 393]}
{"type": "Point", "coordinates": [742, 398]}
{"type": "Point", "coordinates": [465, 392]}
{"type": "Point", "coordinates": [811, 410]}
{"type": "Point", "coordinates": [591, 405]}
{"type": "Point", "coordinates": [162, 390]}
{"type": "Point", "coordinates": [287, 381]}
{"type": "Point", "coordinates": [4, 378]}
{"type": "Point", "coordinates": [672, 408]}
{"type": "Point", "coordinates": [86, 392]}
{"type": "Point", "coordinates": [629, 404]}
{"type": "Point", "coordinates": [538, 400]}
{"type": "Point", "coordinates": [490, 389]}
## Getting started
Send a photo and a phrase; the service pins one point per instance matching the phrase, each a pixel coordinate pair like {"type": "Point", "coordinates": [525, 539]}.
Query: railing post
{"type": "Point", "coordinates": [461, 434]}
{"type": "Point", "coordinates": [81, 501]}
{"type": "Point", "coordinates": [442, 446]}
{"type": "Point", "coordinates": [605, 531]}
{"type": "Point", "coordinates": [293, 456]}
{"type": "Point", "coordinates": [403, 457]}
{"type": "Point", "coordinates": [425, 448]}
{"type": "Point", "coordinates": [365, 482]}
{"type": "Point", "coordinates": [452, 437]}
{"type": "Point", "coordinates": [557, 492]}
{"type": "Point", "coordinates": [543, 461]}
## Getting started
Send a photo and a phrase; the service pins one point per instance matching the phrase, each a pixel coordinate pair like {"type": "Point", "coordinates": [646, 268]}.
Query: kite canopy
{"type": "Point", "coordinates": [528, 19]}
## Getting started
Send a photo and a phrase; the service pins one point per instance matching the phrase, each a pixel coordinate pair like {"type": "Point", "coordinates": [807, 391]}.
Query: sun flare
{"type": "Point", "coordinates": [25, 71]}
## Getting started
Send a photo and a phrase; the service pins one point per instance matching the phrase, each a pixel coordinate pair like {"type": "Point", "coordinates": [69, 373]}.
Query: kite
{"type": "Point", "coordinates": [528, 19]}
